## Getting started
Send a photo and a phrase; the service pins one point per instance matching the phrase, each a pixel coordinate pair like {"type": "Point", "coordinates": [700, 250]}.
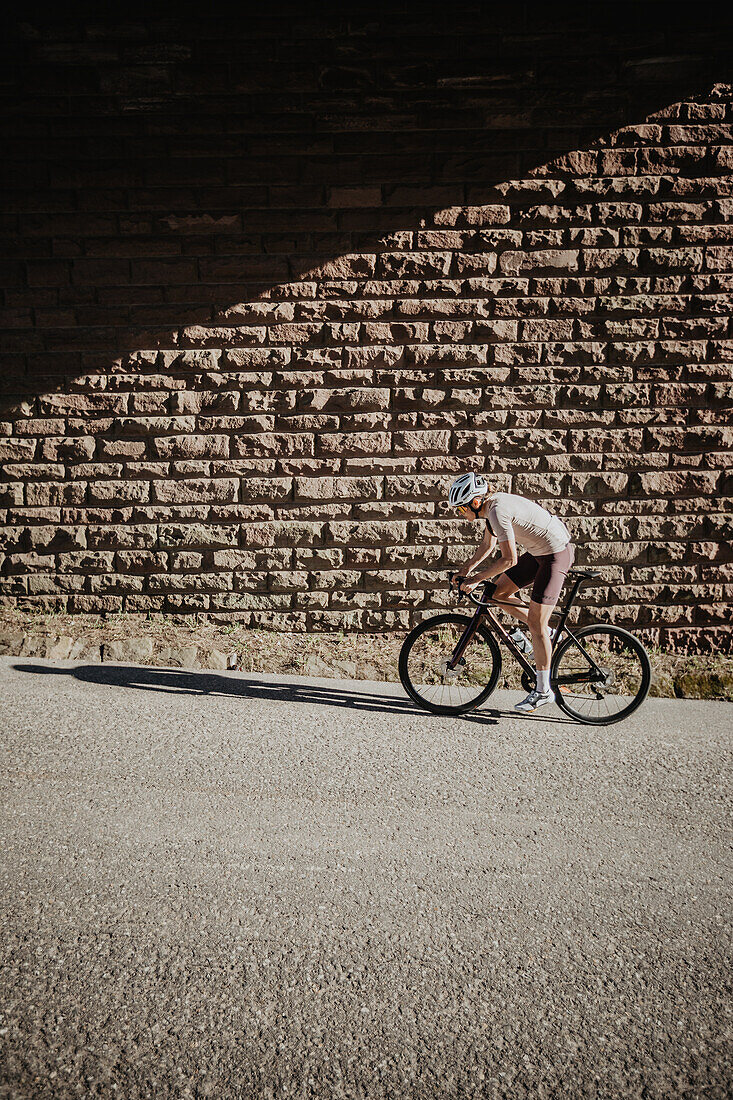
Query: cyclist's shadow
{"type": "Point", "coordinates": [178, 681]}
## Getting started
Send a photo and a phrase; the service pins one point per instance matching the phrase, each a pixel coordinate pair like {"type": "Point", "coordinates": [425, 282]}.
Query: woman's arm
{"type": "Point", "coordinates": [507, 558]}
{"type": "Point", "coordinates": [501, 522]}
{"type": "Point", "coordinates": [486, 546]}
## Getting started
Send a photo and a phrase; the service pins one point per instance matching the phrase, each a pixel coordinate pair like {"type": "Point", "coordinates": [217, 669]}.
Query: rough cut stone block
{"type": "Point", "coordinates": [189, 489]}
{"type": "Point", "coordinates": [353, 443]}
{"type": "Point", "coordinates": [17, 449]}
{"type": "Point", "coordinates": [474, 264]}
{"type": "Point", "coordinates": [420, 265]}
{"type": "Point", "coordinates": [366, 533]}
{"type": "Point", "coordinates": [283, 533]}
{"type": "Point", "coordinates": [347, 267]}
{"type": "Point", "coordinates": [344, 399]}
{"type": "Point", "coordinates": [541, 330]}
{"type": "Point", "coordinates": [421, 442]}
{"type": "Point", "coordinates": [674, 483]}
{"type": "Point", "coordinates": [192, 446]}
{"type": "Point", "coordinates": [128, 650]}
{"type": "Point", "coordinates": [54, 538]}
{"type": "Point", "coordinates": [85, 561]}
{"type": "Point", "coordinates": [119, 491]}
{"type": "Point", "coordinates": [38, 493]}
{"type": "Point", "coordinates": [266, 445]}
{"type": "Point", "coordinates": [542, 261]}
{"type": "Point", "coordinates": [197, 534]}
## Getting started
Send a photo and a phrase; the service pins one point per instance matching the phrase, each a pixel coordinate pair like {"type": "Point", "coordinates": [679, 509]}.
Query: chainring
{"type": "Point", "coordinates": [528, 682]}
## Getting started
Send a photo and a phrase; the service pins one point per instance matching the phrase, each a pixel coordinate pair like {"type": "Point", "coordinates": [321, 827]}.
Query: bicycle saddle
{"type": "Point", "coordinates": [585, 572]}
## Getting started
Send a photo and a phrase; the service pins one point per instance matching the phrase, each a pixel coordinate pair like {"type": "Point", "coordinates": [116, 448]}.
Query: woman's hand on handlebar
{"type": "Point", "coordinates": [465, 585]}
{"type": "Point", "coordinates": [462, 583]}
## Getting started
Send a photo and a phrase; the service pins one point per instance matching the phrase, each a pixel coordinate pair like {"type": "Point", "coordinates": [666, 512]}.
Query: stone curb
{"type": "Point", "coordinates": [142, 650]}
{"type": "Point", "coordinates": [139, 651]}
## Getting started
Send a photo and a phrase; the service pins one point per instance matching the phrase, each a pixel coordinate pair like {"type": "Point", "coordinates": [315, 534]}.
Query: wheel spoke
{"type": "Point", "coordinates": [626, 673]}
{"type": "Point", "coordinates": [424, 666]}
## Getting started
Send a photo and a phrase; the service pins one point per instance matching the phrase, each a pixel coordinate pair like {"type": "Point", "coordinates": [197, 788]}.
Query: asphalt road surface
{"type": "Point", "coordinates": [230, 886]}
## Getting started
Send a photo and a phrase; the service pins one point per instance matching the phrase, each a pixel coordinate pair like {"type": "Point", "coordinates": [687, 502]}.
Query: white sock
{"type": "Point", "coordinates": [543, 680]}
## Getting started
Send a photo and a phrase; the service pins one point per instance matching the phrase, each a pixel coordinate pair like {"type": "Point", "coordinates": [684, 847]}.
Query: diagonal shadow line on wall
{"type": "Point", "coordinates": [576, 115]}
{"type": "Point", "coordinates": [512, 98]}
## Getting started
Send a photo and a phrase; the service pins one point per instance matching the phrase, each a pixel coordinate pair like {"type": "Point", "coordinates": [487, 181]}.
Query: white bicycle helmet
{"type": "Point", "coordinates": [465, 488]}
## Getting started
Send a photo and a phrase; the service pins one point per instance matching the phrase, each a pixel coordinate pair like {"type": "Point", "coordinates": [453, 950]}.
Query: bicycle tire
{"type": "Point", "coordinates": [564, 698]}
{"type": "Point", "coordinates": [486, 637]}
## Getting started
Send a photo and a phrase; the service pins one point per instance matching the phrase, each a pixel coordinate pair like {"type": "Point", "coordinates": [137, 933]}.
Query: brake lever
{"type": "Point", "coordinates": [457, 587]}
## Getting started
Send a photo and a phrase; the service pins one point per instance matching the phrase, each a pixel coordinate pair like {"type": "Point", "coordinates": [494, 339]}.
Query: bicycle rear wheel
{"type": "Point", "coordinates": [600, 699]}
{"type": "Point", "coordinates": [427, 679]}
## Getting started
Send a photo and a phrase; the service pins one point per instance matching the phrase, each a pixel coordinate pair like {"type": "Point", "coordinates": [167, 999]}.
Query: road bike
{"type": "Point", "coordinates": [451, 663]}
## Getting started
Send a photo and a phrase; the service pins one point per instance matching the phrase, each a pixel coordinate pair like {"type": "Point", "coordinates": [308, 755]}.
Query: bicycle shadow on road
{"type": "Point", "coordinates": [179, 681]}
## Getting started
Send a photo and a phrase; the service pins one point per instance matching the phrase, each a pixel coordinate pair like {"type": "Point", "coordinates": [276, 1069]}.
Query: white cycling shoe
{"type": "Point", "coordinates": [535, 700]}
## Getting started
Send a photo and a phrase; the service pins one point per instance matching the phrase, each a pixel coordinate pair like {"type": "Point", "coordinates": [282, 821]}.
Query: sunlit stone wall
{"type": "Point", "coordinates": [272, 283]}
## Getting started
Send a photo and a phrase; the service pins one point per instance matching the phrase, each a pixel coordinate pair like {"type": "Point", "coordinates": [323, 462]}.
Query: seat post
{"type": "Point", "coordinates": [572, 594]}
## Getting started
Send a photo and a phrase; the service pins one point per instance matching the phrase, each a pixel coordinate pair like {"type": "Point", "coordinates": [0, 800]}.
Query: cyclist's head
{"type": "Point", "coordinates": [466, 490]}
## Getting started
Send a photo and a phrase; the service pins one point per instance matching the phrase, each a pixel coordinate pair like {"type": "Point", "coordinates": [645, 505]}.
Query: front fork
{"type": "Point", "coordinates": [464, 640]}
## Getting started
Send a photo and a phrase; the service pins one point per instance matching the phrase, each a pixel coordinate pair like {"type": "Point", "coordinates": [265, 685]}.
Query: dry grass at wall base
{"type": "Point", "coordinates": [182, 641]}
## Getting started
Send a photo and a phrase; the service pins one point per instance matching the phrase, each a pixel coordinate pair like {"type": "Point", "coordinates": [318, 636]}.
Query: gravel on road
{"type": "Point", "coordinates": [248, 886]}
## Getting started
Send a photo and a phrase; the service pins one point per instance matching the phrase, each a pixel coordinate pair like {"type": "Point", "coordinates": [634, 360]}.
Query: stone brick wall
{"type": "Point", "coordinates": [271, 283]}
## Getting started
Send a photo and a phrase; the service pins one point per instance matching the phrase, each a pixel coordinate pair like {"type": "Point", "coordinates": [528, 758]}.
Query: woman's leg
{"type": "Point", "coordinates": [551, 574]}
{"type": "Point", "coordinates": [520, 575]}
{"type": "Point", "coordinates": [538, 621]}
{"type": "Point", "coordinates": [504, 597]}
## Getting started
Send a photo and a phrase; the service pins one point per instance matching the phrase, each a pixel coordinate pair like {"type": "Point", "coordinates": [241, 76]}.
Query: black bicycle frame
{"type": "Point", "coordinates": [483, 612]}
{"type": "Point", "coordinates": [565, 611]}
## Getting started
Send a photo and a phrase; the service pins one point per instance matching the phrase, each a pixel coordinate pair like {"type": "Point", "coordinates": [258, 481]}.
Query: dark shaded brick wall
{"type": "Point", "coordinates": [271, 282]}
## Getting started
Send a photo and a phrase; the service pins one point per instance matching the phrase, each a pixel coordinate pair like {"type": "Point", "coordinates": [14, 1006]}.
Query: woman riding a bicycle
{"type": "Point", "coordinates": [450, 663]}
{"type": "Point", "coordinates": [548, 555]}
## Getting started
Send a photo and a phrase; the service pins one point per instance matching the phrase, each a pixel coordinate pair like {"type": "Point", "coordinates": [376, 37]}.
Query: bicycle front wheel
{"type": "Point", "coordinates": [607, 687]}
{"type": "Point", "coordinates": [424, 671]}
